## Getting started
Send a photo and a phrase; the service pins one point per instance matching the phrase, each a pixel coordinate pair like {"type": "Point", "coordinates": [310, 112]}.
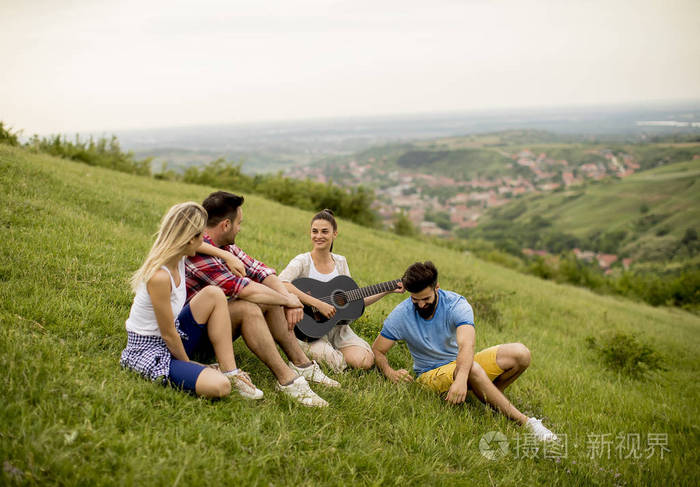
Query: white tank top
{"type": "Point", "coordinates": [314, 274]}
{"type": "Point", "coordinates": [142, 318]}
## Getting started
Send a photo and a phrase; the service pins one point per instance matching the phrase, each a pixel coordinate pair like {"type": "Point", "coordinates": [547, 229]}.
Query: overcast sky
{"type": "Point", "coordinates": [90, 65]}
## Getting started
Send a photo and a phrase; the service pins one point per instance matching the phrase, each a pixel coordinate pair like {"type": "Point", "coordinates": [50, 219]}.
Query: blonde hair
{"type": "Point", "coordinates": [179, 226]}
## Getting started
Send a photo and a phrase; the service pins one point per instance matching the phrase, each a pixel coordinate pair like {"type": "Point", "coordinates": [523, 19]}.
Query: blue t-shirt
{"type": "Point", "coordinates": [432, 342]}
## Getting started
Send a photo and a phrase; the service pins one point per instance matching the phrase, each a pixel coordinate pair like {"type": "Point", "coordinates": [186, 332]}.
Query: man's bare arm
{"type": "Point", "coordinates": [274, 282]}
{"type": "Point", "coordinates": [261, 294]}
{"type": "Point", "coordinates": [376, 297]}
{"type": "Point", "coordinates": [381, 347]}
{"type": "Point", "coordinates": [465, 359]}
{"type": "Point", "coordinates": [293, 311]}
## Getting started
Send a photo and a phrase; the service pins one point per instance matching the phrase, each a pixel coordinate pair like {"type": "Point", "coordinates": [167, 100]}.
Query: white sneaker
{"type": "Point", "coordinates": [540, 431]}
{"type": "Point", "coordinates": [241, 382]}
{"type": "Point", "coordinates": [299, 389]}
{"type": "Point", "coordinates": [313, 373]}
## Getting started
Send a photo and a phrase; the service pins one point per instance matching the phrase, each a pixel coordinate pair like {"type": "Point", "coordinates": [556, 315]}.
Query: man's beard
{"type": "Point", "coordinates": [427, 311]}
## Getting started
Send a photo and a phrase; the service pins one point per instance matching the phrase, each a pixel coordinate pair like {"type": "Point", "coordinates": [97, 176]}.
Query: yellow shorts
{"type": "Point", "coordinates": [440, 379]}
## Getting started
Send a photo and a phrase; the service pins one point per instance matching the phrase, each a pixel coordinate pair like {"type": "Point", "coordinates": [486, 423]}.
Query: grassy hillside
{"type": "Point", "coordinates": [654, 208]}
{"type": "Point", "coordinates": [72, 234]}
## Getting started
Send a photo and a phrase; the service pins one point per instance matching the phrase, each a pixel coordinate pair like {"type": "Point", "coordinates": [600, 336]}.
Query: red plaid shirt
{"type": "Point", "coordinates": [205, 270]}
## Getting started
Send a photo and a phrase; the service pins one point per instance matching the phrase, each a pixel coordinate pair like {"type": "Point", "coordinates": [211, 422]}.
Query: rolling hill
{"type": "Point", "coordinates": [650, 211]}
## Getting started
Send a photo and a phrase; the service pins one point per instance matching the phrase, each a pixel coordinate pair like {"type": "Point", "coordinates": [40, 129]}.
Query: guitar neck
{"type": "Point", "coordinates": [364, 292]}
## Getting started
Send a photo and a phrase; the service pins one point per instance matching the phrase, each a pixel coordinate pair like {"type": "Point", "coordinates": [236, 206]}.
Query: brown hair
{"type": "Point", "coordinates": [221, 205]}
{"type": "Point", "coordinates": [419, 276]}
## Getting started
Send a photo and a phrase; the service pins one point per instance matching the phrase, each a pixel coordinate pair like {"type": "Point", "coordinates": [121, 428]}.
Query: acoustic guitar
{"type": "Point", "coordinates": [342, 293]}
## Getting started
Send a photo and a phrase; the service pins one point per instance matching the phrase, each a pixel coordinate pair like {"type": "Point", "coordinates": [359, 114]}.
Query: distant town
{"type": "Point", "coordinates": [405, 190]}
{"type": "Point", "coordinates": [414, 193]}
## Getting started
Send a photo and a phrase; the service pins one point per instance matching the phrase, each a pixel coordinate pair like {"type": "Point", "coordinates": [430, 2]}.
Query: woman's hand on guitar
{"type": "Point", "coordinates": [399, 288]}
{"type": "Point", "coordinates": [326, 309]}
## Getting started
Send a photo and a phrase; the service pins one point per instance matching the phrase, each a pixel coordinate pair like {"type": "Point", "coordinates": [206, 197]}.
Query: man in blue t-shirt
{"type": "Point", "coordinates": [438, 327]}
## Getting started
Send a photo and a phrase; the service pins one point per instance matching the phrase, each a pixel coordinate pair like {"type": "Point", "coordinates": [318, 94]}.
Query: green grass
{"type": "Point", "coordinates": [71, 236]}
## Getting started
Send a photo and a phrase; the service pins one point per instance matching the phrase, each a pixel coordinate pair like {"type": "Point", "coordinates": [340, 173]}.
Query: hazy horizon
{"type": "Point", "coordinates": [81, 66]}
{"type": "Point", "coordinates": [526, 114]}
{"type": "Point", "coordinates": [687, 104]}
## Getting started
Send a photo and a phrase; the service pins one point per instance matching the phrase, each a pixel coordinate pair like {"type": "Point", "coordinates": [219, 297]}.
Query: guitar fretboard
{"type": "Point", "coordinates": [364, 292]}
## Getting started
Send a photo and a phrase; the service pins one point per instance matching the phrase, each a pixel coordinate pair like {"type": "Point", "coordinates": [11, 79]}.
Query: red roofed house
{"type": "Point", "coordinates": [606, 260]}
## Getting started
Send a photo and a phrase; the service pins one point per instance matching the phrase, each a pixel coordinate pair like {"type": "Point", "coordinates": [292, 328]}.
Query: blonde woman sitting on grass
{"type": "Point", "coordinates": [162, 331]}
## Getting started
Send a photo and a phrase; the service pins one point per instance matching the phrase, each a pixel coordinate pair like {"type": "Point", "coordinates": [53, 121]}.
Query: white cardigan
{"type": "Point", "coordinates": [300, 266]}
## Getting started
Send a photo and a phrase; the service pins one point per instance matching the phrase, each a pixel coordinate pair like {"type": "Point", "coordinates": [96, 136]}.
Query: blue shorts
{"type": "Point", "coordinates": [194, 336]}
{"type": "Point", "coordinates": [184, 375]}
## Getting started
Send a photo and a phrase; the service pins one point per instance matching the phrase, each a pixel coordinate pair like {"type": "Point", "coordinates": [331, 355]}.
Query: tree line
{"type": "Point", "coordinates": [353, 204]}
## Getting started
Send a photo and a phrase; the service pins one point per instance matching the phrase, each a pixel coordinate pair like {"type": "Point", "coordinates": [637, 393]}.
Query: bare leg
{"type": "Point", "coordinates": [209, 306]}
{"type": "Point", "coordinates": [248, 321]}
{"type": "Point", "coordinates": [212, 384]}
{"type": "Point", "coordinates": [513, 359]}
{"type": "Point", "coordinates": [277, 322]}
{"type": "Point", "coordinates": [358, 357]}
{"type": "Point", "coordinates": [489, 394]}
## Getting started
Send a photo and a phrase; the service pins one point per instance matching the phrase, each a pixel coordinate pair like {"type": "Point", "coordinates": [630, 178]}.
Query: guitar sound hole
{"type": "Point", "coordinates": [340, 299]}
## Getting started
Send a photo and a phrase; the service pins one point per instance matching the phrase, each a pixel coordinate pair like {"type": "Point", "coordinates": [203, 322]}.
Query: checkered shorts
{"type": "Point", "coordinates": [147, 355]}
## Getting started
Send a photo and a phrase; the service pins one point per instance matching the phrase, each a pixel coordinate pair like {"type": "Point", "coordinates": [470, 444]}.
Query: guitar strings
{"type": "Point", "coordinates": [355, 294]}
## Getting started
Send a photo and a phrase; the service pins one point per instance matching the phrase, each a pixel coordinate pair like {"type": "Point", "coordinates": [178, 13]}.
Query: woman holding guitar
{"type": "Point", "coordinates": [340, 347]}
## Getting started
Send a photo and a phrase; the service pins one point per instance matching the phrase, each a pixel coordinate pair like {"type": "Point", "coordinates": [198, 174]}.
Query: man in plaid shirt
{"type": "Point", "coordinates": [262, 311]}
{"type": "Point", "coordinates": [203, 270]}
